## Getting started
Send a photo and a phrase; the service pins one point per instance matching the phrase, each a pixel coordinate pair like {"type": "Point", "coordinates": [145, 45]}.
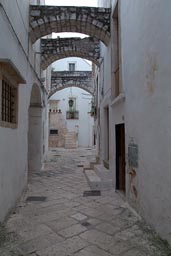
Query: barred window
{"type": "Point", "coordinates": [8, 102]}
{"type": "Point", "coordinates": [53, 132]}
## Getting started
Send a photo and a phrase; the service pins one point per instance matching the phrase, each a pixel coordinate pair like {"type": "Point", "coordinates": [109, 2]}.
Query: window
{"type": "Point", "coordinates": [10, 78]}
{"type": "Point", "coordinates": [53, 132]}
{"type": "Point", "coordinates": [8, 102]}
{"type": "Point", "coordinates": [71, 66]}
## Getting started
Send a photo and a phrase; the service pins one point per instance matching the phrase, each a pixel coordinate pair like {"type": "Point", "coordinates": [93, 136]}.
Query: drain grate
{"type": "Point", "coordinates": [82, 156]}
{"type": "Point", "coordinates": [80, 165]}
{"type": "Point", "coordinates": [36, 199]}
{"type": "Point", "coordinates": [86, 224]}
{"type": "Point", "coordinates": [92, 193]}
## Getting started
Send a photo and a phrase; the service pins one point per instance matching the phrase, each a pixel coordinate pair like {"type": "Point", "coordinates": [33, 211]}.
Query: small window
{"type": "Point", "coordinates": [53, 132]}
{"type": "Point", "coordinates": [8, 103]}
{"type": "Point", "coordinates": [71, 66]}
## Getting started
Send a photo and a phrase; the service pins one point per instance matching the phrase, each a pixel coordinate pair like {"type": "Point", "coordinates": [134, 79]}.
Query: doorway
{"type": "Point", "coordinates": [120, 157]}
{"type": "Point", "coordinates": [107, 150]}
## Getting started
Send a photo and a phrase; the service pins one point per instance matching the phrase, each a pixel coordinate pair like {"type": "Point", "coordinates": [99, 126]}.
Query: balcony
{"type": "Point", "coordinates": [72, 115]}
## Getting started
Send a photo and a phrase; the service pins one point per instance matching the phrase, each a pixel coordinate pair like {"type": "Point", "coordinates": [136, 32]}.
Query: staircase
{"type": "Point", "coordinates": [98, 177]}
{"type": "Point", "coordinates": [70, 140]}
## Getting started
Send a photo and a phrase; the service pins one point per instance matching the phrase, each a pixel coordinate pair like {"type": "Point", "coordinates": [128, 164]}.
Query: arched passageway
{"type": "Point", "coordinates": [35, 133]}
{"type": "Point", "coordinates": [91, 21]}
{"type": "Point", "coordinates": [71, 123]}
{"type": "Point", "coordinates": [59, 48]}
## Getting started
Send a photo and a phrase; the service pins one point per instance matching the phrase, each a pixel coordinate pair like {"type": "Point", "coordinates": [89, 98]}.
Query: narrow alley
{"type": "Point", "coordinates": [55, 218]}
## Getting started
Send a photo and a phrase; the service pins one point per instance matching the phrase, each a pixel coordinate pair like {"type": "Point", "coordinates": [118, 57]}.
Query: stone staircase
{"type": "Point", "coordinates": [98, 177]}
{"type": "Point", "coordinates": [71, 140]}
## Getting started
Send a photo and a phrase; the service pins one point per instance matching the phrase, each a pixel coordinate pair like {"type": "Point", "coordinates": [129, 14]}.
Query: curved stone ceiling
{"type": "Point", "coordinates": [92, 21]}
{"type": "Point", "coordinates": [59, 48]}
{"type": "Point", "coordinates": [64, 79]}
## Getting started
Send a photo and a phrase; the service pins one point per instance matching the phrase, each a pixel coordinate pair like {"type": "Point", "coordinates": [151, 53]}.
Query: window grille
{"type": "Point", "coordinates": [8, 102]}
{"type": "Point", "coordinates": [53, 132]}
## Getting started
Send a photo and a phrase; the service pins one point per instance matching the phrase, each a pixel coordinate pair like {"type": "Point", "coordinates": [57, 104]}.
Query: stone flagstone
{"type": "Point", "coordinates": [68, 224]}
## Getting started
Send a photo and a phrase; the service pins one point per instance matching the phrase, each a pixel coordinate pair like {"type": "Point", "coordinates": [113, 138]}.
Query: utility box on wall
{"type": "Point", "coordinates": [133, 155]}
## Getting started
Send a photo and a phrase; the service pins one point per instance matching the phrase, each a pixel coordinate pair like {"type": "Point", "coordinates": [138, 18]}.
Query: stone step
{"type": "Point", "coordinates": [103, 172]}
{"type": "Point", "coordinates": [93, 180]}
{"type": "Point", "coordinates": [89, 165]}
{"type": "Point", "coordinates": [71, 133]}
{"type": "Point", "coordinates": [70, 142]}
{"type": "Point", "coordinates": [70, 146]}
{"type": "Point", "coordinates": [96, 183]}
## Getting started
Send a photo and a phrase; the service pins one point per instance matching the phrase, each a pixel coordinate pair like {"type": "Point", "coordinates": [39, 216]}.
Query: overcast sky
{"type": "Point", "coordinates": [72, 2]}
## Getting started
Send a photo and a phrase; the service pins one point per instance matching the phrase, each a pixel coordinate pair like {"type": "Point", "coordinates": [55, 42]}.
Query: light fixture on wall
{"type": "Point", "coordinates": [71, 103]}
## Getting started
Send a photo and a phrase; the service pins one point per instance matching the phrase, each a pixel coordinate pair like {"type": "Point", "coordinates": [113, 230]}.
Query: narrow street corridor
{"type": "Point", "coordinates": [53, 218]}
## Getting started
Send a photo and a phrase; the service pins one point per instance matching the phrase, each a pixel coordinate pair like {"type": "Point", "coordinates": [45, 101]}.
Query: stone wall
{"type": "Point", "coordinates": [57, 121]}
{"type": "Point", "coordinates": [92, 21]}
{"type": "Point", "coordinates": [55, 49]}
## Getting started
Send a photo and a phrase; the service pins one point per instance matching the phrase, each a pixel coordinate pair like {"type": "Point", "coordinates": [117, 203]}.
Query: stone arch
{"type": "Point", "coordinates": [64, 79]}
{"type": "Point", "coordinates": [92, 21]}
{"type": "Point", "coordinates": [35, 130]}
{"type": "Point", "coordinates": [59, 48]}
{"type": "Point", "coordinates": [67, 86]}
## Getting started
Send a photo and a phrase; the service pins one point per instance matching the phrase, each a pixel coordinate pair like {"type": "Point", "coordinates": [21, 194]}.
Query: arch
{"type": "Point", "coordinates": [64, 79]}
{"type": "Point", "coordinates": [35, 137]}
{"type": "Point", "coordinates": [92, 21]}
{"type": "Point", "coordinates": [52, 92]}
{"type": "Point", "coordinates": [35, 97]}
{"type": "Point", "coordinates": [59, 48]}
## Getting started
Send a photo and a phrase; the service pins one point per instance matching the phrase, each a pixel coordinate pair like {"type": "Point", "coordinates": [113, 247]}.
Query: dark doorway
{"type": "Point", "coordinates": [120, 157]}
{"type": "Point", "coordinates": [106, 159]}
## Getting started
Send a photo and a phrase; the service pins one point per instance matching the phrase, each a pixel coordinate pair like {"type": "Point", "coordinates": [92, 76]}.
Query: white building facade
{"type": "Point", "coordinates": [134, 107]}
{"type": "Point", "coordinates": [23, 98]}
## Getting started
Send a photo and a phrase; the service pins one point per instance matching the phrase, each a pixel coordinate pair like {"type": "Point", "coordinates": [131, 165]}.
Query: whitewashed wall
{"type": "Point", "coordinates": [145, 45]}
{"type": "Point", "coordinates": [14, 46]}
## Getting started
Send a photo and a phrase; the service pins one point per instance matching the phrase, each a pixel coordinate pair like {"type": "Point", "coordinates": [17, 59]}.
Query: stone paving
{"type": "Point", "coordinates": [64, 223]}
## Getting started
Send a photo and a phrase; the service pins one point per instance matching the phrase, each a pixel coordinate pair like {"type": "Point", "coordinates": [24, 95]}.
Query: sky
{"type": "Point", "coordinates": [72, 2]}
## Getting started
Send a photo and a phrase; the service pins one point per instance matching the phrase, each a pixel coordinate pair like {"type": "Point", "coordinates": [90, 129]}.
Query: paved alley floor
{"type": "Point", "coordinates": [53, 218]}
